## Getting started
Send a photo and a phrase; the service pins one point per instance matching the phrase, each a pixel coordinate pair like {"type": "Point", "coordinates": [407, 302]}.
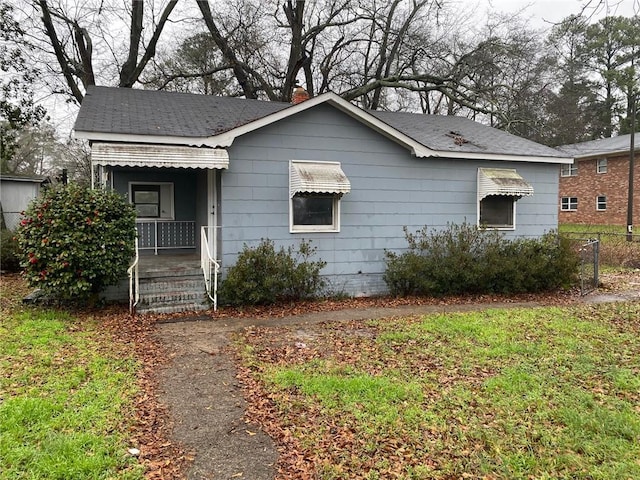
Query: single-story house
{"type": "Point", "coordinates": [594, 189]}
{"type": "Point", "coordinates": [323, 170]}
{"type": "Point", "coordinates": [16, 192]}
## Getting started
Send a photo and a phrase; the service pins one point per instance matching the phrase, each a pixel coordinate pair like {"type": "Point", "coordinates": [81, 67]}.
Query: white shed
{"type": "Point", "coordinates": [15, 194]}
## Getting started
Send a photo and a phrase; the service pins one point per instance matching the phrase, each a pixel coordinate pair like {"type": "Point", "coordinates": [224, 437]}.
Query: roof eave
{"type": "Point", "coordinates": [227, 138]}
{"type": "Point", "coordinates": [416, 148]}
{"type": "Point", "coordinates": [604, 153]}
{"type": "Point", "coordinates": [139, 138]}
{"type": "Point", "coordinates": [502, 157]}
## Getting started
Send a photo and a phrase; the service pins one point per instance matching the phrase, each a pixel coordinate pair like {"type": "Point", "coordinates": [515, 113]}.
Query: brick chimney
{"type": "Point", "coordinates": [299, 95]}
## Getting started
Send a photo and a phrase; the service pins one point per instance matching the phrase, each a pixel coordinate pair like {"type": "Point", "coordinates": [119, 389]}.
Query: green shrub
{"type": "Point", "coordinates": [465, 259]}
{"type": "Point", "coordinates": [263, 276]}
{"type": "Point", "coordinates": [9, 257]}
{"type": "Point", "coordinates": [75, 241]}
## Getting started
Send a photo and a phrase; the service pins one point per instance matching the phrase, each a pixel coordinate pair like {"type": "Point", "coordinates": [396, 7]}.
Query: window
{"type": "Point", "coordinates": [315, 211]}
{"type": "Point", "coordinates": [498, 191]}
{"type": "Point", "coordinates": [497, 211]}
{"type": "Point", "coordinates": [569, 170]}
{"type": "Point", "coordinates": [569, 204]}
{"type": "Point", "coordinates": [601, 203]}
{"type": "Point", "coordinates": [152, 200]}
{"type": "Point", "coordinates": [146, 199]}
{"type": "Point", "coordinates": [316, 189]}
{"type": "Point", "coordinates": [601, 165]}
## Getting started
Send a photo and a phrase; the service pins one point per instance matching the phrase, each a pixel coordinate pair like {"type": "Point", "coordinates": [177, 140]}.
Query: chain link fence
{"type": "Point", "coordinates": [589, 265]}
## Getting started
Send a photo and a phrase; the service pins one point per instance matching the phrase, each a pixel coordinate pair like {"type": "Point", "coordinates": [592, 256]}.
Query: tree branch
{"type": "Point", "coordinates": [150, 51]}
{"type": "Point", "coordinates": [228, 53]}
{"type": "Point", "coordinates": [167, 79]}
{"type": "Point", "coordinates": [59, 51]}
{"type": "Point", "coordinates": [85, 49]}
{"type": "Point", "coordinates": [135, 34]}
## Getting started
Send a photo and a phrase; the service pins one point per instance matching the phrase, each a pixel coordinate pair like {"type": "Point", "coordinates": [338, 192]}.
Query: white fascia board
{"type": "Point", "coordinates": [153, 139]}
{"type": "Point", "coordinates": [604, 153]}
{"type": "Point", "coordinates": [415, 147]}
{"type": "Point", "coordinates": [226, 139]}
{"type": "Point", "coordinates": [503, 157]}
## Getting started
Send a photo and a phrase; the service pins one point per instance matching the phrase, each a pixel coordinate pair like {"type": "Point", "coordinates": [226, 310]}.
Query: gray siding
{"type": "Point", "coordinates": [390, 189]}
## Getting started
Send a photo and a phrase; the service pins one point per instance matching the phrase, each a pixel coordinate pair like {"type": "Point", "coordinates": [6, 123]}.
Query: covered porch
{"type": "Point", "coordinates": [174, 190]}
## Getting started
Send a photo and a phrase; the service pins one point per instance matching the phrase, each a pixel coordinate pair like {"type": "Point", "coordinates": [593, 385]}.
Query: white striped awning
{"type": "Point", "coordinates": [502, 181]}
{"type": "Point", "coordinates": [317, 177]}
{"type": "Point", "coordinates": [147, 155]}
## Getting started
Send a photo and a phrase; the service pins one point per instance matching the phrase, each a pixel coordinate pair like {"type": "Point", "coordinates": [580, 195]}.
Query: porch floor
{"type": "Point", "coordinates": [173, 262]}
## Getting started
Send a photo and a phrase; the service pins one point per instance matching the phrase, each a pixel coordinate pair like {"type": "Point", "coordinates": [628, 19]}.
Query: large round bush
{"type": "Point", "coordinates": [75, 241]}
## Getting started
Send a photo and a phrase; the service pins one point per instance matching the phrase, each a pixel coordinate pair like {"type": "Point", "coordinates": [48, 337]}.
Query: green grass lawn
{"type": "Point", "coordinates": [66, 395]}
{"type": "Point", "coordinates": [592, 229]}
{"type": "Point", "coordinates": [501, 394]}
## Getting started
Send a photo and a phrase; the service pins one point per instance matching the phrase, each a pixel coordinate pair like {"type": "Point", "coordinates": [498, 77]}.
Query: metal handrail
{"type": "Point", "coordinates": [134, 280]}
{"type": "Point", "coordinates": [206, 262]}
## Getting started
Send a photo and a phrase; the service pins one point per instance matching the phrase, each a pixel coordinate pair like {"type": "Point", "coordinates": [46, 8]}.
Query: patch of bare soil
{"type": "Point", "coordinates": [616, 286]}
{"type": "Point", "coordinates": [207, 406]}
{"type": "Point", "coordinates": [623, 281]}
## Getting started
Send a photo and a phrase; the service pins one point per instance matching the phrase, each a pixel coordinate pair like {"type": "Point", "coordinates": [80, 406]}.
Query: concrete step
{"type": "Point", "coordinates": [173, 301]}
{"type": "Point", "coordinates": [162, 285]}
{"type": "Point", "coordinates": [176, 296]}
{"type": "Point", "coordinates": [164, 272]}
{"type": "Point", "coordinates": [173, 308]}
{"type": "Point", "coordinates": [172, 291]}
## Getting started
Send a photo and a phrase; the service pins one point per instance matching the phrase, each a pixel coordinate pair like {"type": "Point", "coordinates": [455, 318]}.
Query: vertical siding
{"type": "Point", "coordinates": [390, 189]}
{"type": "Point", "coordinates": [15, 197]}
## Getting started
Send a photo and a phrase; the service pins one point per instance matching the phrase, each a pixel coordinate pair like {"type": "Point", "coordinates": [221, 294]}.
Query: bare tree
{"type": "Point", "coordinates": [380, 54]}
{"type": "Point", "coordinates": [308, 29]}
{"type": "Point", "coordinates": [239, 70]}
{"type": "Point", "coordinates": [70, 35]}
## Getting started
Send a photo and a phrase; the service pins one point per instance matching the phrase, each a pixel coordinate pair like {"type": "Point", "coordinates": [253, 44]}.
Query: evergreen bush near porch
{"type": "Point", "coordinates": [75, 241]}
{"type": "Point", "coordinates": [465, 259]}
{"type": "Point", "coordinates": [264, 275]}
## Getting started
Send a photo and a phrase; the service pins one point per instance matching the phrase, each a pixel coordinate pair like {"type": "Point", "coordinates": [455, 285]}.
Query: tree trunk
{"type": "Point", "coordinates": [67, 72]}
{"type": "Point", "coordinates": [241, 75]}
{"type": "Point", "coordinates": [132, 69]}
{"type": "Point", "coordinates": [135, 34]}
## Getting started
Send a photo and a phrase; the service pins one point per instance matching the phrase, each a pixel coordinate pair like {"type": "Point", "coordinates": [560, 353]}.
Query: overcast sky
{"type": "Point", "coordinates": [545, 12]}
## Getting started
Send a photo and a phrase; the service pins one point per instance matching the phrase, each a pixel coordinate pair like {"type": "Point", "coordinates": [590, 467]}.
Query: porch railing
{"type": "Point", "coordinates": [209, 263]}
{"type": "Point", "coordinates": [134, 280]}
{"type": "Point", "coordinates": [166, 234]}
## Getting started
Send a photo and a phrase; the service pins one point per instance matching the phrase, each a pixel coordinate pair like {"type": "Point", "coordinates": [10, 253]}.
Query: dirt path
{"type": "Point", "coordinates": [205, 400]}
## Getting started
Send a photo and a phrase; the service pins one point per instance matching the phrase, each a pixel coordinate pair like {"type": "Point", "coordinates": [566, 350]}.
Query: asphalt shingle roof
{"type": "Point", "coordinates": [458, 134]}
{"type": "Point", "coordinates": [147, 112]}
{"type": "Point", "coordinates": [602, 146]}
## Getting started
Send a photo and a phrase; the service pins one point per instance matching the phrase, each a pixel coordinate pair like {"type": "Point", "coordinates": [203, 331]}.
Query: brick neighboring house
{"type": "Point", "coordinates": [594, 189]}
